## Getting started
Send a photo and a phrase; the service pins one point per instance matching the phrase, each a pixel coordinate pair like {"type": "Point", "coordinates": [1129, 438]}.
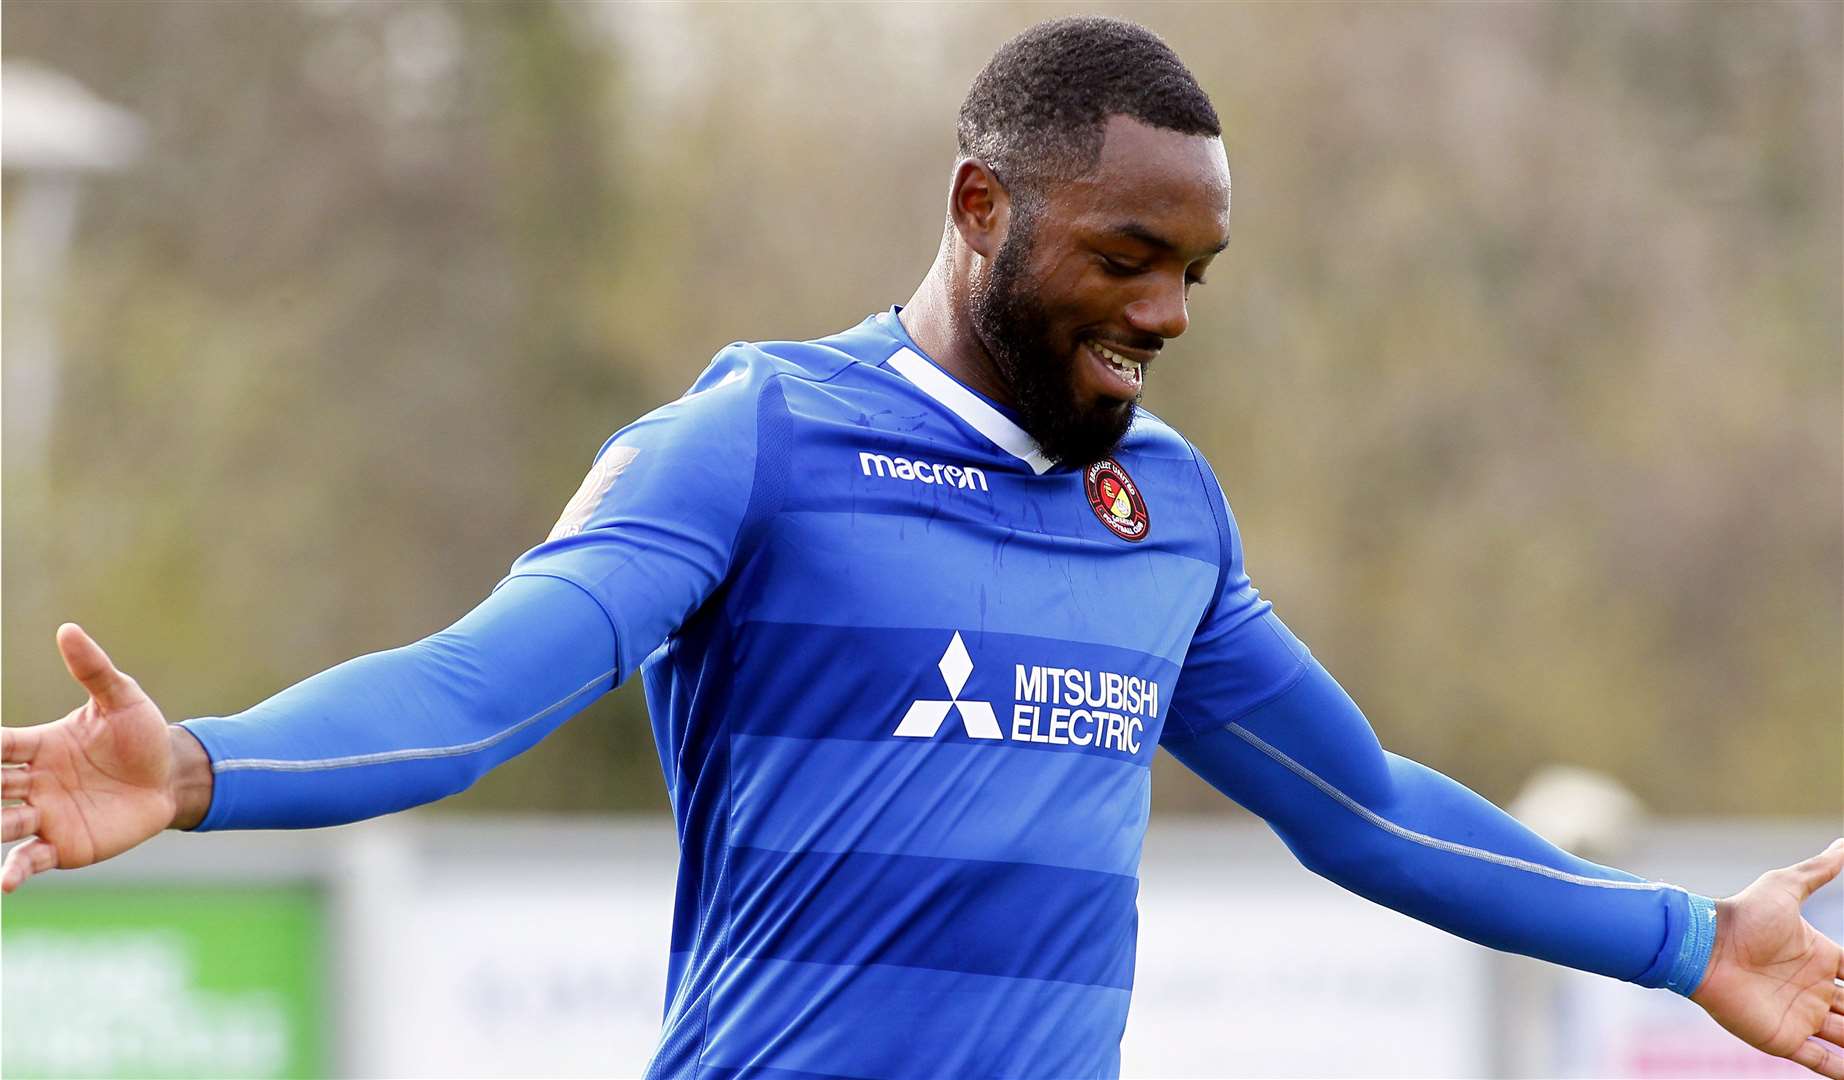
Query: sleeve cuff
{"type": "Point", "coordinates": [622, 667]}
{"type": "Point", "coordinates": [200, 728]}
{"type": "Point", "coordinates": [1695, 948]}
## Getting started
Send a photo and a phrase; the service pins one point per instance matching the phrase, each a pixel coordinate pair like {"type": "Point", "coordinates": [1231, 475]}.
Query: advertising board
{"type": "Point", "coordinates": [156, 981]}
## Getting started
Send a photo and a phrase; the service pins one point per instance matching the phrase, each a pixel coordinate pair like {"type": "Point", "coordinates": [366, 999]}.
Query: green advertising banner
{"type": "Point", "coordinates": [147, 981]}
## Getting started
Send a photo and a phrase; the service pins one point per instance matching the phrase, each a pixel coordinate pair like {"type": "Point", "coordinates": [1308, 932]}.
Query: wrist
{"type": "Point", "coordinates": [1697, 951]}
{"type": "Point", "coordinates": [189, 781]}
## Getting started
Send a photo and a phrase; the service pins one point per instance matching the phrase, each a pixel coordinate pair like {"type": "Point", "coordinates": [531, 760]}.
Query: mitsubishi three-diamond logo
{"type": "Point", "coordinates": [924, 717]}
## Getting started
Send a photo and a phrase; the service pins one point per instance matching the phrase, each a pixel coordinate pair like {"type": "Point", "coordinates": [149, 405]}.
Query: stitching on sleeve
{"type": "Point", "coordinates": [409, 754]}
{"type": "Point", "coordinates": [1425, 840]}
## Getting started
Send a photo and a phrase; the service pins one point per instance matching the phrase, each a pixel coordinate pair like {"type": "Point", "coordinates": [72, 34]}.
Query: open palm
{"type": "Point", "coordinates": [94, 783]}
{"type": "Point", "coordinates": [1772, 978]}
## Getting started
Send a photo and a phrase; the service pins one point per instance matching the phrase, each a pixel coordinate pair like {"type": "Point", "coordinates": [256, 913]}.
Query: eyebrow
{"type": "Point", "coordinates": [1133, 230]}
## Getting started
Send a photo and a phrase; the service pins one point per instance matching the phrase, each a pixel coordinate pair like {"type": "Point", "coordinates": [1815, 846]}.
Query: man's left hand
{"type": "Point", "coordinates": [1773, 980]}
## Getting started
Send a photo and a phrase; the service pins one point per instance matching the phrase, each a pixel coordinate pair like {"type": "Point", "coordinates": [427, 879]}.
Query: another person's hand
{"type": "Point", "coordinates": [95, 783]}
{"type": "Point", "coordinates": [1773, 979]}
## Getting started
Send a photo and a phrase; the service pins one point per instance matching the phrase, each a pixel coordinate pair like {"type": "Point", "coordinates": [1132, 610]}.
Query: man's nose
{"type": "Point", "coordinates": [1161, 311]}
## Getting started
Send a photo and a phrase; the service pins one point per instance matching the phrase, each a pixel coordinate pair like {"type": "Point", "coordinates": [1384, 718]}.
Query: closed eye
{"type": "Point", "coordinates": [1121, 268]}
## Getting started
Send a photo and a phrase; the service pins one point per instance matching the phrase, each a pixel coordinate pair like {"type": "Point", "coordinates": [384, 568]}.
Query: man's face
{"type": "Point", "coordinates": [1092, 279]}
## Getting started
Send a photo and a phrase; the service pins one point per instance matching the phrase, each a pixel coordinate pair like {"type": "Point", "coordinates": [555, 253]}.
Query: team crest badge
{"type": "Point", "coordinates": [607, 470]}
{"type": "Point", "coordinates": [1116, 500]}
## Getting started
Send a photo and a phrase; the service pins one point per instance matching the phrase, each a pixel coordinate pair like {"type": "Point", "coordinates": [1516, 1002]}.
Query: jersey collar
{"type": "Point", "coordinates": [976, 411]}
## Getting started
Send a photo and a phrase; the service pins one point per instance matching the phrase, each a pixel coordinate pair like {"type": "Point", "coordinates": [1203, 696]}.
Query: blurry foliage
{"type": "Point", "coordinates": [1522, 369]}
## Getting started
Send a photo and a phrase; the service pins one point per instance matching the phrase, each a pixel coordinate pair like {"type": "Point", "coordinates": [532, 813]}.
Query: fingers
{"type": "Point", "coordinates": [18, 745]}
{"type": "Point", "coordinates": [1823, 1058]}
{"type": "Point", "coordinates": [1815, 873]}
{"type": "Point", "coordinates": [16, 821]}
{"type": "Point", "coordinates": [22, 821]}
{"type": "Point", "coordinates": [32, 857]}
{"type": "Point", "coordinates": [89, 665]}
{"type": "Point", "coordinates": [1813, 1055]}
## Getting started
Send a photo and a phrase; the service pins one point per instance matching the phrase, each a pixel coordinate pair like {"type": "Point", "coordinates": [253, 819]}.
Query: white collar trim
{"type": "Point", "coordinates": [968, 405]}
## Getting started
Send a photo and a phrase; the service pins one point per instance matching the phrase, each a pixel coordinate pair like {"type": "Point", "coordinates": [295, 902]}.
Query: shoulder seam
{"type": "Point", "coordinates": [776, 372]}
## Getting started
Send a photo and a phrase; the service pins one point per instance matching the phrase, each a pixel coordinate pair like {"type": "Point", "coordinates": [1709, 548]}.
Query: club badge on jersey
{"type": "Point", "coordinates": [1116, 501]}
{"type": "Point", "coordinates": [601, 477]}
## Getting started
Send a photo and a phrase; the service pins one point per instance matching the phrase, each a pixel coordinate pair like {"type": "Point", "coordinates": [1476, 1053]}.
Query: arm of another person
{"type": "Point", "coordinates": [1256, 716]}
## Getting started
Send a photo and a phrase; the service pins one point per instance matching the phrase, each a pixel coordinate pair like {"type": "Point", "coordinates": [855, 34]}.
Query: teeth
{"type": "Point", "coordinates": [1129, 368]}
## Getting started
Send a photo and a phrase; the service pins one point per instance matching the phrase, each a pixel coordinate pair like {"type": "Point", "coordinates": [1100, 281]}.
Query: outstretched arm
{"type": "Point", "coordinates": [397, 729]}
{"type": "Point", "coordinates": [668, 504]}
{"type": "Point", "coordinates": [1408, 837]}
{"type": "Point", "coordinates": [376, 734]}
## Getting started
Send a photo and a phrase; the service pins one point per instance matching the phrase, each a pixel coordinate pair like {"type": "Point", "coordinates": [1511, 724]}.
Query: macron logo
{"type": "Point", "coordinates": [924, 717]}
{"type": "Point", "coordinates": [922, 472]}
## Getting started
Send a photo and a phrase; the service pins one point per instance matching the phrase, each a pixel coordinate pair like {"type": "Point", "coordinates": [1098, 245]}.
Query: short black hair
{"type": "Point", "coordinates": [1036, 112]}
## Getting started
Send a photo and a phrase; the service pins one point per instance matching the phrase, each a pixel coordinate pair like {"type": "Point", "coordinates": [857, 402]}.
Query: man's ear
{"type": "Point", "coordinates": [979, 206]}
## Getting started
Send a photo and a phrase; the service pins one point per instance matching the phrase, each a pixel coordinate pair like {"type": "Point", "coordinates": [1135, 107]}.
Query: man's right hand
{"type": "Point", "coordinates": [106, 777]}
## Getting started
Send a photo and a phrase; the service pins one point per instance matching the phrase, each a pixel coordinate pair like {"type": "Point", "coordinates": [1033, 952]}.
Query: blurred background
{"type": "Point", "coordinates": [1523, 372]}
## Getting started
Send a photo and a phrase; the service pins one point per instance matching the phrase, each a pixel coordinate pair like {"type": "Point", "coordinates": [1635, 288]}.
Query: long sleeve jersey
{"type": "Point", "coordinates": [906, 678]}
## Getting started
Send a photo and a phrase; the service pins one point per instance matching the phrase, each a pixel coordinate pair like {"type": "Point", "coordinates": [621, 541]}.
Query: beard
{"type": "Point", "coordinates": [1015, 329]}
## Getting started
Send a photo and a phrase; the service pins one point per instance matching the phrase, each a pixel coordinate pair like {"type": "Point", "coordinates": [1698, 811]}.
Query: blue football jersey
{"type": "Point", "coordinates": [906, 678]}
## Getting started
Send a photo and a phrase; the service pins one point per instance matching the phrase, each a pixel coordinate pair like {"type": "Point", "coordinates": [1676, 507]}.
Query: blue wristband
{"type": "Point", "coordinates": [1694, 950]}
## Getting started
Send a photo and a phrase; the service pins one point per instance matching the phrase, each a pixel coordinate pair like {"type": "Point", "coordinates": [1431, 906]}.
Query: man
{"type": "Point", "coordinates": [914, 605]}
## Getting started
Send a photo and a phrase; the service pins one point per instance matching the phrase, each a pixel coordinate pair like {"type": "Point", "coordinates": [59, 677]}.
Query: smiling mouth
{"type": "Point", "coordinates": [1127, 375]}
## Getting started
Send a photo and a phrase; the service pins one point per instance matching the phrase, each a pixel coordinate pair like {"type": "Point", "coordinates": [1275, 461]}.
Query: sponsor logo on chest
{"type": "Point", "coordinates": [1060, 706]}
